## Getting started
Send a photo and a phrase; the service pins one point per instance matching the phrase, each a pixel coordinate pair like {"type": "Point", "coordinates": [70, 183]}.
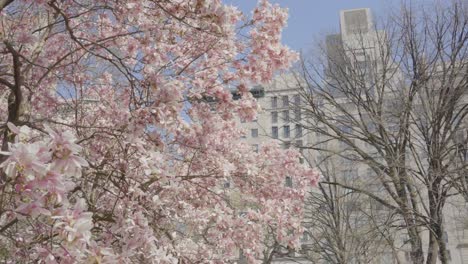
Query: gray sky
{"type": "Point", "coordinates": [309, 19]}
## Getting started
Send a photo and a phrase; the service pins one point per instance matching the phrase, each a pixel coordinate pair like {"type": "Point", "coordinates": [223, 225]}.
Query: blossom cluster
{"type": "Point", "coordinates": [127, 137]}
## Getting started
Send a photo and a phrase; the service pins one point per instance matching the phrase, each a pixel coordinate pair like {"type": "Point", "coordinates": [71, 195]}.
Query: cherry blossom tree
{"type": "Point", "coordinates": [111, 152]}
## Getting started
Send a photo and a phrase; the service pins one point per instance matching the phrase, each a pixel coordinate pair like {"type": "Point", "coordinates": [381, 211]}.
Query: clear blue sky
{"type": "Point", "coordinates": [309, 19]}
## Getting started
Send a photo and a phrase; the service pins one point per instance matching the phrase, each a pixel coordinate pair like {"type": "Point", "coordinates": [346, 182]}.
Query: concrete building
{"type": "Point", "coordinates": [281, 118]}
{"type": "Point", "coordinates": [358, 46]}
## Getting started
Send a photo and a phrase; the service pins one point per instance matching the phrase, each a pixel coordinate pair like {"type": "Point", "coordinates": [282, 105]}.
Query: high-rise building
{"type": "Point", "coordinates": [354, 57]}
{"type": "Point", "coordinates": [282, 119]}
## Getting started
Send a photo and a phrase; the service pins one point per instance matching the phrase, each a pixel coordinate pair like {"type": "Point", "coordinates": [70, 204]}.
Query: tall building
{"type": "Point", "coordinates": [353, 49]}
{"type": "Point", "coordinates": [354, 57]}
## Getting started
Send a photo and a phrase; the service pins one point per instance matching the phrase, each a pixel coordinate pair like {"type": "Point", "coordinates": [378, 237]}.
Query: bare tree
{"type": "Point", "coordinates": [344, 226]}
{"type": "Point", "coordinates": [394, 99]}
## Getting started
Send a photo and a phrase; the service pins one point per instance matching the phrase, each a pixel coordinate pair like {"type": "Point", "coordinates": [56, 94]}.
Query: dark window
{"type": "Point", "coordinates": [286, 115]}
{"type": "Point", "coordinates": [297, 114]}
{"type": "Point", "coordinates": [227, 184]}
{"type": "Point", "coordinates": [345, 129]}
{"type": "Point", "coordinates": [242, 257]}
{"type": "Point", "coordinates": [288, 182]}
{"type": "Point", "coordinates": [286, 145]}
{"type": "Point", "coordinates": [286, 132]}
{"type": "Point", "coordinates": [255, 148]}
{"type": "Point", "coordinates": [371, 127]}
{"type": "Point", "coordinates": [274, 117]}
{"type": "Point", "coordinates": [274, 132]}
{"type": "Point", "coordinates": [274, 102]}
{"type": "Point", "coordinates": [285, 101]}
{"type": "Point", "coordinates": [299, 143]}
{"type": "Point", "coordinates": [297, 99]}
{"type": "Point", "coordinates": [298, 131]}
{"type": "Point", "coordinates": [254, 132]}
{"type": "Point", "coordinates": [257, 92]}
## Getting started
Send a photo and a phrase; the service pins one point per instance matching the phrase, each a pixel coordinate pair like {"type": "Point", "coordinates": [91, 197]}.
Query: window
{"type": "Point", "coordinates": [288, 182]}
{"type": "Point", "coordinates": [299, 143]}
{"type": "Point", "coordinates": [445, 237]}
{"type": "Point", "coordinates": [297, 99]}
{"type": "Point", "coordinates": [361, 67]}
{"type": "Point", "coordinates": [254, 132]}
{"type": "Point", "coordinates": [319, 157]}
{"type": "Point", "coordinates": [345, 129]}
{"type": "Point", "coordinates": [297, 114]}
{"type": "Point", "coordinates": [242, 257]}
{"type": "Point", "coordinates": [274, 132]}
{"type": "Point", "coordinates": [286, 115]}
{"type": "Point", "coordinates": [274, 117]}
{"type": "Point", "coordinates": [285, 101]}
{"type": "Point", "coordinates": [286, 145]}
{"type": "Point", "coordinates": [227, 184]}
{"type": "Point", "coordinates": [286, 132]}
{"type": "Point", "coordinates": [321, 140]}
{"type": "Point", "coordinates": [255, 148]}
{"type": "Point", "coordinates": [298, 131]}
{"type": "Point", "coordinates": [274, 102]}
{"type": "Point", "coordinates": [393, 127]}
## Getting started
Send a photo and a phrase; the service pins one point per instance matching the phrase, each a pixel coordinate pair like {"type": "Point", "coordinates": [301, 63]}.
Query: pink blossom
{"type": "Point", "coordinates": [26, 159]}
{"type": "Point", "coordinates": [64, 152]}
{"type": "Point", "coordinates": [141, 134]}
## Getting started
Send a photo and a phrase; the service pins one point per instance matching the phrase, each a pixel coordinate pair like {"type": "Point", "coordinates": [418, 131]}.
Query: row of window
{"type": "Point", "coordinates": [285, 115]}
{"type": "Point", "coordinates": [286, 145]}
{"type": "Point", "coordinates": [298, 144]}
{"type": "Point", "coordinates": [286, 131]}
{"type": "Point", "coordinates": [275, 131]}
{"type": "Point", "coordinates": [284, 100]}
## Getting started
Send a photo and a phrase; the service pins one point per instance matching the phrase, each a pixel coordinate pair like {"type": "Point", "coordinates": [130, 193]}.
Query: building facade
{"type": "Point", "coordinates": [283, 119]}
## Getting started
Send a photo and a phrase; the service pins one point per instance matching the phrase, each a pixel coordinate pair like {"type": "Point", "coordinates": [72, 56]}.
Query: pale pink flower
{"type": "Point", "coordinates": [26, 159]}
{"type": "Point", "coordinates": [65, 152]}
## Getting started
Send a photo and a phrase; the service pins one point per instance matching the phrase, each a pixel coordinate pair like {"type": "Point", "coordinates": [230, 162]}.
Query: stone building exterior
{"type": "Point", "coordinates": [282, 119]}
